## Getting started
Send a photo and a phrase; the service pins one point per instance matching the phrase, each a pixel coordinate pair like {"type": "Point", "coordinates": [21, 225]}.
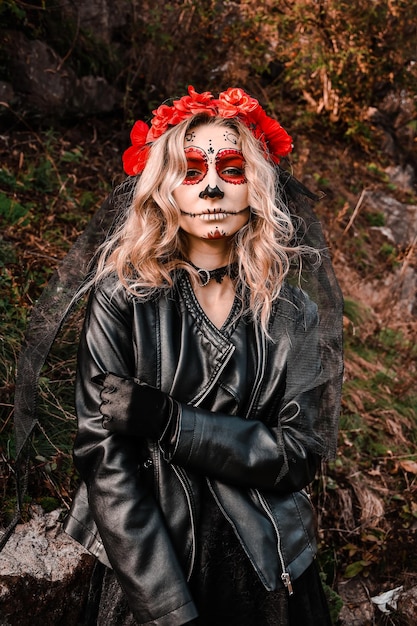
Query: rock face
{"type": "Point", "coordinates": [400, 229]}
{"type": "Point", "coordinates": [44, 575]}
{"type": "Point", "coordinates": [400, 219]}
{"type": "Point", "coordinates": [43, 83]}
{"type": "Point", "coordinates": [397, 290]}
{"type": "Point", "coordinates": [393, 606]}
{"type": "Point", "coordinates": [102, 17]}
{"type": "Point", "coordinates": [407, 606]}
{"type": "Point", "coordinates": [49, 86]}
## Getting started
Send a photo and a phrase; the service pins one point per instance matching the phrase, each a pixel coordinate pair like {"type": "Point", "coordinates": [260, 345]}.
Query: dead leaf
{"type": "Point", "coordinates": [409, 466]}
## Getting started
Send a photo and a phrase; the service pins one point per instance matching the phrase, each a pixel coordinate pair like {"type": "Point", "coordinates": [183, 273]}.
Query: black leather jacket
{"type": "Point", "coordinates": [138, 505]}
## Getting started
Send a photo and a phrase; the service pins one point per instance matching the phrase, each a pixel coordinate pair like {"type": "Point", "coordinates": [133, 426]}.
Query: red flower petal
{"type": "Point", "coordinates": [139, 133]}
{"type": "Point", "coordinates": [134, 159]}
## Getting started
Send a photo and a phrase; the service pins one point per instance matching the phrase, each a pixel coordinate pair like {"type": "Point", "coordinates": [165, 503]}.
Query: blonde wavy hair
{"type": "Point", "coordinates": [148, 245]}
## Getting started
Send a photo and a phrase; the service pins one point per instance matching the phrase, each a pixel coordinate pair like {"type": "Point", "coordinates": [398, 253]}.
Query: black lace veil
{"type": "Point", "coordinates": [319, 281]}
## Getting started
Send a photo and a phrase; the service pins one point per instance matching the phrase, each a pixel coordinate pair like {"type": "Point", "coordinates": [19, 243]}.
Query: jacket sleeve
{"type": "Point", "coordinates": [282, 456]}
{"type": "Point", "coordinates": [128, 518]}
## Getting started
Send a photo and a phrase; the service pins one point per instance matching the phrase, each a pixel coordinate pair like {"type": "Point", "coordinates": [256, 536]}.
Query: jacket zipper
{"type": "Point", "coordinates": [285, 577]}
{"type": "Point", "coordinates": [187, 490]}
{"type": "Point", "coordinates": [182, 477]}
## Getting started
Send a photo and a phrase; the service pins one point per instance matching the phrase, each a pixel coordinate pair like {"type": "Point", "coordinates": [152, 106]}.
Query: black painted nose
{"type": "Point", "coordinates": [211, 192]}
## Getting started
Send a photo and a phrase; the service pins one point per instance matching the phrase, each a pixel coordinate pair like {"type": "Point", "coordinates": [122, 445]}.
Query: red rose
{"type": "Point", "coordinates": [234, 102]}
{"type": "Point", "coordinates": [163, 117]}
{"type": "Point", "coordinates": [195, 103]}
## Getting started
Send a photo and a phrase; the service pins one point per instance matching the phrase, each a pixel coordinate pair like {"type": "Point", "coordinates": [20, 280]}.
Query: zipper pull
{"type": "Point", "coordinates": [285, 577]}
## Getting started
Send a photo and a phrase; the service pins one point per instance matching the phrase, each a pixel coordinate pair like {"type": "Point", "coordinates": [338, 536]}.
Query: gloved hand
{"type": "Point", "coordinates": [133, 408]}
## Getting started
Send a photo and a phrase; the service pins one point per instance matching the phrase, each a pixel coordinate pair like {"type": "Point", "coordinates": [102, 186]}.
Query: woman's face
{"type": "Point", "coordinates": [213, 197]}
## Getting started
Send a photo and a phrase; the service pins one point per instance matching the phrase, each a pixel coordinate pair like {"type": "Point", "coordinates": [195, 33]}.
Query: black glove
{"type": "Point", "coordinates": [133, 408]}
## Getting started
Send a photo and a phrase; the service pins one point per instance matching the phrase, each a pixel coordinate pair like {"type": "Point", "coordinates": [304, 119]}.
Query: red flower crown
{"type": "Point", "coordinates": [233, 103]}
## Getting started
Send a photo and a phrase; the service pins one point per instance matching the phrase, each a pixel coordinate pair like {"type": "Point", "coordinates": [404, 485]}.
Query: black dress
{"type": "Point", "coordinates": [228, 592]}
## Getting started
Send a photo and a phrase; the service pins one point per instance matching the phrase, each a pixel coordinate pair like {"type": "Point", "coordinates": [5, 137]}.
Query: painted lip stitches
{"type": "Point", "coordinates": [214, 215]}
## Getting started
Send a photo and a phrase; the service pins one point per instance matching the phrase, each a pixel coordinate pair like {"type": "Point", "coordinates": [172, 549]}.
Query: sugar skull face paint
{"type": "Point", "coordinates": [213, 197]}
{"type": "Point", "coordinates": [197, 166]}
{"type": "Point", "coordinates": [229, 164]}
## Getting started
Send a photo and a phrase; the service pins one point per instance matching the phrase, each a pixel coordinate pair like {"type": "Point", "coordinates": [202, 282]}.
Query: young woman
{"type": "Point", "coordinates": [208, 382]}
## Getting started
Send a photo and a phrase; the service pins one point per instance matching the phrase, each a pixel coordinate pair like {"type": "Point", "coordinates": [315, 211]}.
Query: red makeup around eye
{"type": "Point", "coordinates": [230, 166]}
{"type": "Point", "coordinates": [197, 166]}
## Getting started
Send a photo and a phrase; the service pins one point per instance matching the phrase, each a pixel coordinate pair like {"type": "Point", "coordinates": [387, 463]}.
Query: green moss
{"type": "Point", "coordinates": [375, 219]}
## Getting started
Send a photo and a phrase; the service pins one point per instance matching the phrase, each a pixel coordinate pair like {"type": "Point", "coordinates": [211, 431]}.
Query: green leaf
{"type": "Point", "coordinates": [355, 568]}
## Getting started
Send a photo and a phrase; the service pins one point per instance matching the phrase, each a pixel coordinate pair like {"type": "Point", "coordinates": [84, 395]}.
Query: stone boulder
{"type": "Point", "coordinates": [396, 291]}
{"type": "Point", "coordinates": [391, 606]}
{"type": "Point", "coordinates": [44, 574]}
{"type": "Point", "coordinates": [101, 17]}
{"type": "Point", "coordinates": [407, 606]}
{"type": "Point", "coordinates": [400, 226]}
{"type": "Point", "coordinates": [357, 607]}
{"type": "Point", "coordinates": [46, 85]}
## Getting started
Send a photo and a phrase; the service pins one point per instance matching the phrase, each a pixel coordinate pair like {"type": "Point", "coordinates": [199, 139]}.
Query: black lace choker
{"type": "Point", "coordinates": [218, 274]}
